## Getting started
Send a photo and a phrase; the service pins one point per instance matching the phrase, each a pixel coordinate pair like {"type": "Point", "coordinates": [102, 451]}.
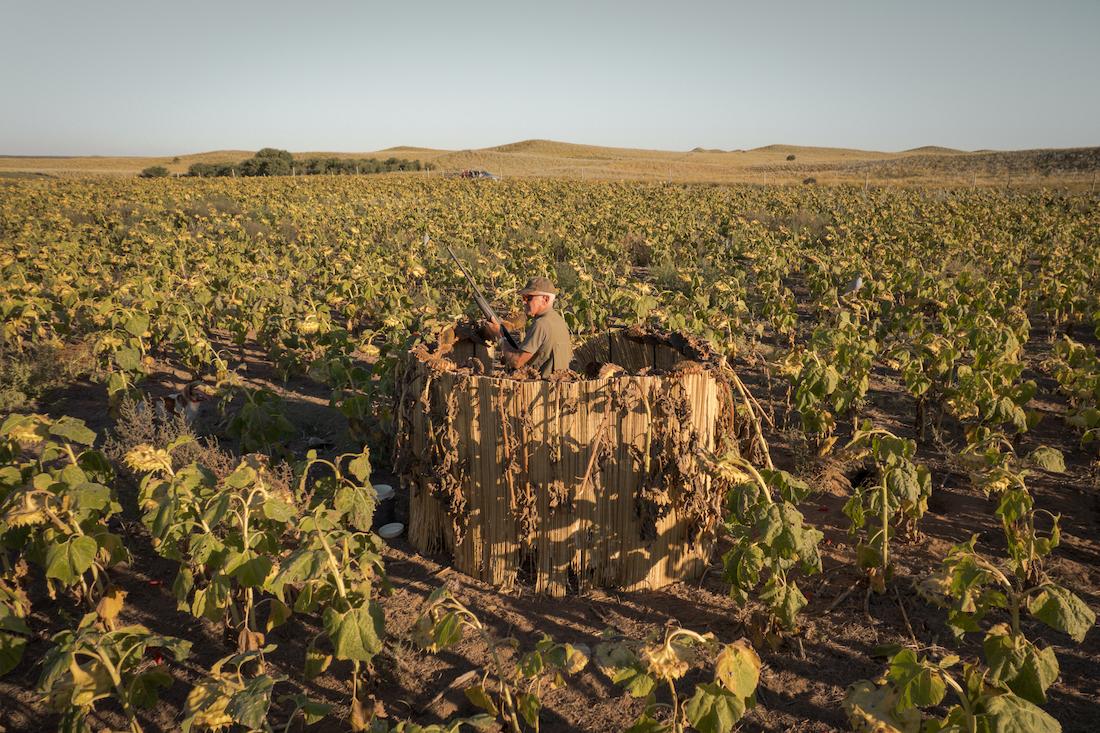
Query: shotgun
{"type": "Point", "coordinates": [486, 309]}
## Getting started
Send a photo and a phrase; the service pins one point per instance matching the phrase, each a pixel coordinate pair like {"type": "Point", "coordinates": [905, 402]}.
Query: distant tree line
{"type": "Point", "coordinates": [273, 162]}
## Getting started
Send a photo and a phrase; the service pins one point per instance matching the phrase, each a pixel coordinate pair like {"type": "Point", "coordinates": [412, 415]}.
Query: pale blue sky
{"type": "Point", "coordinates": [151, 78]}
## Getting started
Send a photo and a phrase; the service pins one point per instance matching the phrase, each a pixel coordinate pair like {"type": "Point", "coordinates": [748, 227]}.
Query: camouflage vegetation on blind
{"type": "Point", "coordinates": [572, 481]}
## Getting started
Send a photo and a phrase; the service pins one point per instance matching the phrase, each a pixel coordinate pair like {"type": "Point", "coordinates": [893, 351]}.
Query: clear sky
{"type": "Point", "coordinates": [151, 77]}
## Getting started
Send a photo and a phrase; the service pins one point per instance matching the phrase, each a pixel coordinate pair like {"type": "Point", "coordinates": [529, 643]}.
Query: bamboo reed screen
{"type": "Point", "coordinates": [570, 481]}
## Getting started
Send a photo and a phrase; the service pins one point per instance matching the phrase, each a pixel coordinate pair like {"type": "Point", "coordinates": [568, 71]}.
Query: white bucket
{"type": "Point", "coordinates": [391, 530]}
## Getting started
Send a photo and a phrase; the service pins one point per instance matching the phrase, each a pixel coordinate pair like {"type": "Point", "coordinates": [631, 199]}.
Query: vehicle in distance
{"type": "Point", "coordinates": [471, 173]}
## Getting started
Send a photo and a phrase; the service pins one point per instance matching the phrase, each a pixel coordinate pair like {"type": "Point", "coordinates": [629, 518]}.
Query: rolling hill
{"type": "Point", "coordinates": [769, 164]}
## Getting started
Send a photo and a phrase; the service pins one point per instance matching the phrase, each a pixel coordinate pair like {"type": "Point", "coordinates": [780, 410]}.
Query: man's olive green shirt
{"type": "Point", "coordinates": [547, 340]}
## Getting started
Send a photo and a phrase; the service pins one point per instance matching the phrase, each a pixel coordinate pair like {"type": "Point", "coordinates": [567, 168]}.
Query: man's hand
{"type": "Point", "coordinates": [512, 358]}
{"type": "Point", "coordinates": [491, 329]}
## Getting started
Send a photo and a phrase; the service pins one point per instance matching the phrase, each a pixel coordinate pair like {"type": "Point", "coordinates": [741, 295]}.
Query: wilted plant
{"type": "Point", "coordinates": [56, 497]}
{"type": "Point", "coordinates": [770, 539]}
{"type": "Point", "coordinates": [226, 535]}
{"type": "Point", "coordinates": [236, 691]}
{"type": "Point", "coordinates": [334, 567]}
{"type": "Point", "coordinates": [972, 587]}
{"type": "Point", "coordinates": [893, 703]}
{"type": "Point", "coordinates": [93, 663]}
{"type": "Point", "coordinates": [511, 691]}
{"type": "Point", "coordinates": [643, 667]}
{"type": "Point", "coordinates": [899, 498]}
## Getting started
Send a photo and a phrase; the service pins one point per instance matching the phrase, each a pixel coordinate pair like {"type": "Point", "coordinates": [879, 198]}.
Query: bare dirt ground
{"type": "Point", "coordinates": [803, 681]}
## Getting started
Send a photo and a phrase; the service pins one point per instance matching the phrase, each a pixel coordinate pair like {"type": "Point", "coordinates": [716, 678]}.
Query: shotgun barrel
{"type": "Point", "coordinates": [482, 304]}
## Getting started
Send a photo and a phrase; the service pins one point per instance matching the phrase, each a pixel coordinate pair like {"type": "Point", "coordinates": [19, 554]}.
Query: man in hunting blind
{"type": "Point", "coordinates": [546, 345]}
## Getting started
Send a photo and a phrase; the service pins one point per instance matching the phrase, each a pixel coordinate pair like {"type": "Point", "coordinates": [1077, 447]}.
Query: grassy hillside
{"type": "Point", "coordinates": [1076, 167]}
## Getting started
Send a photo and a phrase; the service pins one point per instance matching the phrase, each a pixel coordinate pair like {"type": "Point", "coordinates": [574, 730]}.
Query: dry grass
{"type": "Point", "coordinates": [92, 165]}
{"type": "Point", "coordinates": [770, 164]}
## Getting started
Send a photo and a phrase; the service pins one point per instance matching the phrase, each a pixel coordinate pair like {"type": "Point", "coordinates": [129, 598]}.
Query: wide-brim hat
{"type": "Point", "coordinates": [539, 286]}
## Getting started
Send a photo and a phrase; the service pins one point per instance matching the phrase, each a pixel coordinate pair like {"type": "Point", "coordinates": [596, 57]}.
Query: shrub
{"type": "Point", "coordinates": [155, 171]}
{"type": "Point", "coordinates": [273, 162]}
{"type": "Point", "coordinates": [139, 423]}
{"type": "Point", "coordinates": [268, 162]}
{"type": "Point", "coordinates": [211, 170]}
{"type": "Point", "coordinates": [809, 181]}
{"type": "Point", "coordinates": [790, 157]}
{"type": "Point", "coordinates": [275, 154]}
{"type": "Point", "coordinates": [27, 374]}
